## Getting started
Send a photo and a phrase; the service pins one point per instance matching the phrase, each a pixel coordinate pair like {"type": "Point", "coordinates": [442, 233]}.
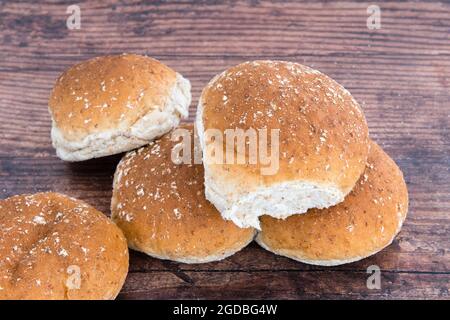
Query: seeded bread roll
{"type": "Point", "coordinates": [365, 223]}
{"type": "Point", "coordinates": [162, 210]}
{"type": "Point", "coordinates": [56, 247]}
{"type": "Point", "coordinates": [113, 104]}
{"type": "Point", "coordinates": [323, 140]}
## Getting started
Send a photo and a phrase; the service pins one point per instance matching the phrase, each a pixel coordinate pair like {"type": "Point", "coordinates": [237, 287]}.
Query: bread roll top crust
{"type": "Point", "coordinates": [108, 93]}
{"type": "Point", "coordinates": [367, 221]}
{"type": "Point", "coordinates": [47, 240]}
{"type": "Point", "coordinates": [161, 206]}
{"type": "Point", "coordinates": [323, 133]}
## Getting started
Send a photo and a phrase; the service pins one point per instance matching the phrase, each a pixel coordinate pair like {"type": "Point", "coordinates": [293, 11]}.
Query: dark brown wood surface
{"type": "Point", "coordinates": [400, 74]}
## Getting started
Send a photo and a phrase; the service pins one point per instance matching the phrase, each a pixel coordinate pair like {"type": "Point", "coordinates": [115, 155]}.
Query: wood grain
{"type": "Point", "coordinates": [400, 74]}
{"type": "Point", "coordinates": [321, 284]}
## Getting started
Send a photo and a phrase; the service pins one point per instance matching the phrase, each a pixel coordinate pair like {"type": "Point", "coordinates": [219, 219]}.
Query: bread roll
{"type": "Point", "coordinates": [323, 140]}
{"type": "Point", "coordinates": [113, 104]}
{"type": "Point", "coordinates": [56, 247]}
{"type": "Point", "coordinates": [162, 210]}
{"type": "Point", "coordinates": [365, 223]}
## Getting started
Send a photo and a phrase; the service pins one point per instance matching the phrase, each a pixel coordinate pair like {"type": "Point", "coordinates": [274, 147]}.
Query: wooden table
{"type": "Point", "coordinates": [400, 74]}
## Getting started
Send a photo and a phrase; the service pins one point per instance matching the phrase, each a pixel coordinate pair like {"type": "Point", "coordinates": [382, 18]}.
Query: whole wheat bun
{"type": "Point", "coordinates": [323, 140]}
{"type": "Point", "coordinates": [56, 247]}
{"type": "Point", "coordinates": [162, 210]}
{"type": "Point", "coordinates": [113, 104]}
{"type": "Point", "coordinates": [365, 223]}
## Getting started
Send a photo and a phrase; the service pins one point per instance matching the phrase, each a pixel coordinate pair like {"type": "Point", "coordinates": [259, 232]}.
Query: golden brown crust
{"type": "Point", "coordinates": [108, 93]}
{"type": "Point", "coordinates": [162, 210]}
{"type": "Point", "coordinates": [48, 239]}
{"type": "Point", "coordinates": [366, 222]}
{"type": "Point", "coordinates": [323, 133]}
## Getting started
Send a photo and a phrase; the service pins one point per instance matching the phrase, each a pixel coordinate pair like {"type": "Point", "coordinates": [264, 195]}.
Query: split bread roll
{"type": "Point", "coordinates": [112, 104]}
{"type": "Point", "coordinates": [56, 247]}
{"type": "Point", "coordinates": [365, 223]}
{"type": "Point", "coordinates": [323, 140]}
{"type": "Point", "coordinates": [161, 207]}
